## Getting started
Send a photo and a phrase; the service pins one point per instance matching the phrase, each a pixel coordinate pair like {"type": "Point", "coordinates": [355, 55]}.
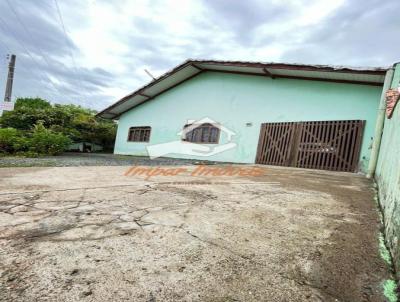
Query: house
{"type": "Point", "coordinates": [310, 116]}
{"type": "Point", "coordinates": [85, 147]}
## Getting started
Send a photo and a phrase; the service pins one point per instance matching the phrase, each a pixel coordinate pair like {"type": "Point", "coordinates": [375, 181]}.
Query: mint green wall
{"type": "Point", "coordinates": [388, 177]}
{"type": "Point", "coordinates": [235, 100]}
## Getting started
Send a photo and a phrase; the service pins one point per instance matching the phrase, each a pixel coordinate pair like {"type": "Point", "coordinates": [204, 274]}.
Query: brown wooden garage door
{"type": "Point", "coordinates": [327, 145]}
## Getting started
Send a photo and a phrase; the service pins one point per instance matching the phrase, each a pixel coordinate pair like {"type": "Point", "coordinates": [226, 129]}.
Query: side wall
{"type": "Point", "coordinates": [388, 177]}
{"type": "Point", "coordinates": [234, 100]}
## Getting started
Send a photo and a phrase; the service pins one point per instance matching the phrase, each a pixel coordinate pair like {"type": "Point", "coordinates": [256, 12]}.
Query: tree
{"type": "Point", "coordinates": [77, 123]}
{"type": "Point", "coordinates": [45, 141]}
{"type": "Point", "coordinates": [27, 112]}
{"type": "Point", "coordinates": [11, 141]}
{"type": "Point", "coordinates": [32, 103]}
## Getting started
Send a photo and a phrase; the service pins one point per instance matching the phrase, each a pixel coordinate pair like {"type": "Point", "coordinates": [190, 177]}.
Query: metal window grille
{"type": "Point", "coordinates": [202, 133]}
{"type": "Point", "coordinates": [139, 134]}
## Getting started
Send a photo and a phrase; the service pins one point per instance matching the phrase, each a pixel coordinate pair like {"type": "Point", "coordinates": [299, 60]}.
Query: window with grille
{"type": "Point", "coordinates": [202, 133]}
{"type": "Point", "coordinates": [139, 134]}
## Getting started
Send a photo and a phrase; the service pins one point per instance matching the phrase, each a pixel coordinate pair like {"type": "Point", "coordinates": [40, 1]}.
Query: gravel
{"type": "Point", "coordinates": [93, 159]}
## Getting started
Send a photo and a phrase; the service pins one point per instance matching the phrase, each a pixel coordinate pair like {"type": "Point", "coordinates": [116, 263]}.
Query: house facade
{"type": "Point", "coordinates": [284, 114]}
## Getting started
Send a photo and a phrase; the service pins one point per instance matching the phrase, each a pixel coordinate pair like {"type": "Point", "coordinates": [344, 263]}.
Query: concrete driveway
{"type": "Point", "coordinates": [93, 234]}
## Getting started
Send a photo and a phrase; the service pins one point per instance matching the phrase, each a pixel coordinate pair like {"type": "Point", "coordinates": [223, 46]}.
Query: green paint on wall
{"type": "Point", "coordinates": [388, 179]}
{"type": "Point", "coordinates": [236, 100]}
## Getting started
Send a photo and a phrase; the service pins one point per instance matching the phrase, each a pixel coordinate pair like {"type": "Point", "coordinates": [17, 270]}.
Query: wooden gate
{"type": "Point", "coordinates": [328, 145]}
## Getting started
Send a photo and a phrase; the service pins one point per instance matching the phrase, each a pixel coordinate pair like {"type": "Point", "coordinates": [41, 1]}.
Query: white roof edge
{"type": "Point", "coordinates": [199, 64]}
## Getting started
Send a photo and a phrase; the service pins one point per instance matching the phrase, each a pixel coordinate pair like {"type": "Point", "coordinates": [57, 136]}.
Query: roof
{"type": "Point", "coordinates": [191, 68]}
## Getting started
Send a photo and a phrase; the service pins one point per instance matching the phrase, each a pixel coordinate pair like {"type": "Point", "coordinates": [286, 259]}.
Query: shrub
{"type": "Point", "coordinates": [27, 154]}
{"type": "Point", "coordinates": [45, 141]}
{"type": "Point", "coordinates": [11, 140]}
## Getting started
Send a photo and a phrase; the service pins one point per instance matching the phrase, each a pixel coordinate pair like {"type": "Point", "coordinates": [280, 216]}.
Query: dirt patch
{"type": "Point", "coordinates": [352, 246]}
{"type": "Point", "coordinates": [93, 234]}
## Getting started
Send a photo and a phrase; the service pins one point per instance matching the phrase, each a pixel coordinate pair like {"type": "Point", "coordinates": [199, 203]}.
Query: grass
{"type": "Point", "coordinates": [390, 290]}
{"type": "Point", "coordinates": [389, 285]}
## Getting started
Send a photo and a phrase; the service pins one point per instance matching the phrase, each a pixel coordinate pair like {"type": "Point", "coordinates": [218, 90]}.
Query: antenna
{"type": "Point", "coordinates": [150, 75]}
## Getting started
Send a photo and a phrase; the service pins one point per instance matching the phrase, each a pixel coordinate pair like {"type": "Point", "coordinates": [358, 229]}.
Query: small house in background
{"type": "Point", "coordinates": [308, 116]}
{"type": "Point", "coordinates": [85, 147]}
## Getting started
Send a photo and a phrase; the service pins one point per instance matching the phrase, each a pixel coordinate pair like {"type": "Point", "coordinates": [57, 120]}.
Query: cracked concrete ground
{"type": "Point", "coordinates": [93, 234]}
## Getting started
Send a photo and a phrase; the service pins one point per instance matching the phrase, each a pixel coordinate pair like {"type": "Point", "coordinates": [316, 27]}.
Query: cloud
{"type": "Point", "coordinates": [242, 18]}
{"type": "Point", "coordinates": [358, 33]}
{"type": "Point", "coordinates": [110, 43]}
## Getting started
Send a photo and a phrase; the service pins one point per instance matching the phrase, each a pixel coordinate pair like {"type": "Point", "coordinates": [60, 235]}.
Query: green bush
{"type": "Point", "coordinates": [79, 124]}
{"type": "Point", "coordinates": [27, 154]}
{"type": "Point", "coordinates": [18, 133]}
{"type": "Point", "coordinates": [11, 141]}
{"type": "Point", "coordinates": [45, 141]}
{"type": "Point", "coordinates": [40, 141]}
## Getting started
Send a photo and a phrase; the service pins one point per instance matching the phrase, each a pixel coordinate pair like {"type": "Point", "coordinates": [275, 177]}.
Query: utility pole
{"type": "Point", "coordinates": [10, 79]}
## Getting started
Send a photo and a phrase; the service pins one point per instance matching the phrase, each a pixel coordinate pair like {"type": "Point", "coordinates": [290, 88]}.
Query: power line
{"type": "Point", "coordinates": [27, 32]}
{"type": "Point", "coordinates": [66, 37]}
{"type": "Point", "coordinates": [5, 46]}
{"type": "Point", "coordinates": [21, 44]}
{"type": "Point", "coordinates": [47, 79]}
{"type": "Point", "coordinates": [41, 53]}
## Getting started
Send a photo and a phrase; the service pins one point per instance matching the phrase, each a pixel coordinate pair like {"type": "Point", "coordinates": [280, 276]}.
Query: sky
{"type": "Point", "coordinates": [93, 52]}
